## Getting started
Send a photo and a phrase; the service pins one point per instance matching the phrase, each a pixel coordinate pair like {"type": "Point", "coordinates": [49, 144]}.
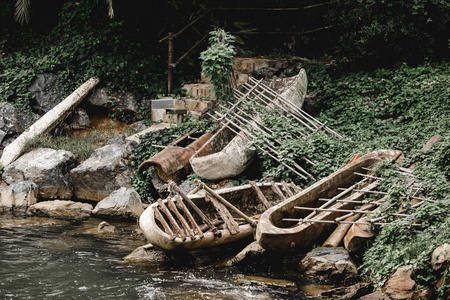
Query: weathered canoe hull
{"type": "Point", "coordinates": [273, 234]}
{"type": "Point", "coordinates": [293, 88]}
{"type": "Point", "coordinates": [163, 241]}
{"type": "Point", "coordinates": [243, 195]}
{"type": "Point", "coordinates": [231, 160]}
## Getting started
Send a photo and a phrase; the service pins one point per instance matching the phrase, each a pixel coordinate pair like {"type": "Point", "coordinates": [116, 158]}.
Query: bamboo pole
{"type": "Point", "coordinates": [270, 148]}
{"type": "Point", "coordinates": [332, 200]}
{"type": "Point", "coordinates": [301, 112]}
{"type": "Point", "coordinates": [342, 222]}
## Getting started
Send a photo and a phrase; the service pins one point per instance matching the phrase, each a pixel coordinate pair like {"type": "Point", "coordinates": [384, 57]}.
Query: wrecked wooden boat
{"type": "Point", "coordinates": [224, 155]}
{"type": "Point", "coordinates": [172, 163]}
{"type": "Point", "coordinates": [229, 152]}
{"type": "Point", "coordinates": [193, 221]}
{"type": "Point", "coordinates": [297, 222]}
{"type": "Point", "coordinates": [293, 89]}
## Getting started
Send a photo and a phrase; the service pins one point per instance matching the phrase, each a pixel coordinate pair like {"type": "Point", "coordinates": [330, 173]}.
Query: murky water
{"type": "Point", "coordinates": [59, 260]}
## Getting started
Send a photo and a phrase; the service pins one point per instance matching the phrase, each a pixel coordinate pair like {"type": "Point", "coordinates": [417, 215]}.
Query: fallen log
{"type": "Point", "coordinates": [47, 122]}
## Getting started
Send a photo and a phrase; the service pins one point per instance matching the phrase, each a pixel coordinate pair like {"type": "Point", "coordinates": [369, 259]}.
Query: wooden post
{"type": "Point", "coordinates": [170, 53]}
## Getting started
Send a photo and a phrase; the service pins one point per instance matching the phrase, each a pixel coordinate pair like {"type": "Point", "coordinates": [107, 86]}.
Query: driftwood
{"type": "Point", "coordinates": [47, 122]}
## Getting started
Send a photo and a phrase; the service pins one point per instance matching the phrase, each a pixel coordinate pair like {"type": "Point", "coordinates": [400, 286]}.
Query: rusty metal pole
{"type": "Point", "coordinates": [170, 64]}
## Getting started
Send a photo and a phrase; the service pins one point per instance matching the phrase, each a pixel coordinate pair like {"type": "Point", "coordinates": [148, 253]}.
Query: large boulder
{"type": "Point", "coordinates": [61, 209]}
{"type": "Point", "coordinates": [124, 203]}
{"type": "Point", "coordinates": [19, 195]}
{"type": "Point", "coordinates": [8, 120]}
{"type": "Point", "coordinates": [13, 121]}
{"type": "Point", "coordinates": [440, 257]}
{"type": "Point", "coordinates": [46, 91]}
{"type": "Point", "coordinates": [329, 264]}
{"type": "Point", "coordinates": [79, 120]}
{"type": "Point", "coordinates": [118, 104]}
{"type": "Point", "coordinates": [48, 168]}
{"type": "Point", "coordinates": [401, 285]}
{"type": "Point", "coordinates": [105, 171]}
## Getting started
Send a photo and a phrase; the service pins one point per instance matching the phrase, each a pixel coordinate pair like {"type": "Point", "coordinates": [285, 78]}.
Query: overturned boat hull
{"type": "Point", "coordinates": [276, 230]}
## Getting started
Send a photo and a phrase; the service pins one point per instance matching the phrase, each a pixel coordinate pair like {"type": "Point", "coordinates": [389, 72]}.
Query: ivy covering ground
{"type": "Point", "coordinates": [399, 108]}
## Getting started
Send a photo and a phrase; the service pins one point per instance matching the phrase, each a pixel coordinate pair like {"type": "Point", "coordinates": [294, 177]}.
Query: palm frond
{"type": "Point", "coordinates": [22, 13]}
{"type": "Point", "coordinates": [110, 8]}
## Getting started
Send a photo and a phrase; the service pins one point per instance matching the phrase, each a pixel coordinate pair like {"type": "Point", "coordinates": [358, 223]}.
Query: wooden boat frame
{"type": "Point", "coordinates": [169, 227]}
{"type": "Point", "coordinates": [277, 232]}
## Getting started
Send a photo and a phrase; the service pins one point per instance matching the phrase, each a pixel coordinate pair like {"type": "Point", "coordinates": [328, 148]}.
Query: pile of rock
{"type": "Point", "coordinates": [48, 174]}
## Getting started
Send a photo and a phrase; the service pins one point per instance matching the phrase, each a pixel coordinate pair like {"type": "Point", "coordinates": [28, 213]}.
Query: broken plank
{"type": "Point", "coordinates": [165, 210]}
{"type": "Point", "coordinates": [223, 212]}
{"type": "Point", "coordinates": [260, 194]}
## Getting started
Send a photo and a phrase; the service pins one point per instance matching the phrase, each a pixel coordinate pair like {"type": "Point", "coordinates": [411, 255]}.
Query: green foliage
{"type": "Point", "coordinates": [85, 43]}
{"type": "Point", "coordinates": [217, 62]}
{"type": "Point", "coordinates": [391, 30]}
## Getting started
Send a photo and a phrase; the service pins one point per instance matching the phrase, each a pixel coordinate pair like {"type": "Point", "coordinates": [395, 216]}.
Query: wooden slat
{"type": "Point", "coordinates": [205, 219]}
{"type": "Point", "coordinates": [173, 222]}
{"type": "Point", "coordinates": [187, 229]}
{"type": "Point", "coordinates": [277, 191]}
{"type": "Point", "coordinates": [287, 188]}
{"type": "Point", "coordinates": [260, 194]}
{"type": "Point", "coordinates": [227, 218]}
{"type": "Point", "coordinates": [179, 202]}
{"type": "Point", "coordinates": [161, 219]}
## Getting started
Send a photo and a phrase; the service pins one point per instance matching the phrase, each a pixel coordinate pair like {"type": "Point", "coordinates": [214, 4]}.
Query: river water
{"type": "Point", "coordinates": [55, 259]}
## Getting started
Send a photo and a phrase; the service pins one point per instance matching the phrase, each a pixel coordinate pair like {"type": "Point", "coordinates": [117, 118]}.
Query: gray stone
{"type": "Point", "coordinates": [48, 168]}
{"type": "Point", "coordinates": [329, 264]}
{"type": "Point", "coordinates": [147, 253]}
{"type": "Point", "coordinates": [105, 171]}
{"type": "Point", "coordinates": [124, 202]}
{"type": "Point", "coordinates": [115, 103]}
{"type": "Point", "coordinates": [61, 209]}
{"type": "Point", "coordinates": [46, 92]}
{"type": "Point", "coordinates": [105, 227]}
{"type": "Point", "coordinates": [13, 121]}
{"type": "Point", "coordinates": [80, 120]}
{"type": "Point", "coordinates": [25, 119]}
{"type": "Point", "coordinates": [440, 257]}
{"type": "Point", "coordinates": [8, 119]}
{"type": "Point", "coordinates": [19, 194]}
{"type": "Point", "coordinates": [163, 103]}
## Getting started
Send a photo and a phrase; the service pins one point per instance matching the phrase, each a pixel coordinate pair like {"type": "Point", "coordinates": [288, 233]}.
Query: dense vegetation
{"type": "Point", "coordinates": [399, 104]}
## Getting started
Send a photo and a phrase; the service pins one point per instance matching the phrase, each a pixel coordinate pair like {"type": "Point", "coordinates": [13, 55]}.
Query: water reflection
{"type": "Point", "coordinates": [56, 260]}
